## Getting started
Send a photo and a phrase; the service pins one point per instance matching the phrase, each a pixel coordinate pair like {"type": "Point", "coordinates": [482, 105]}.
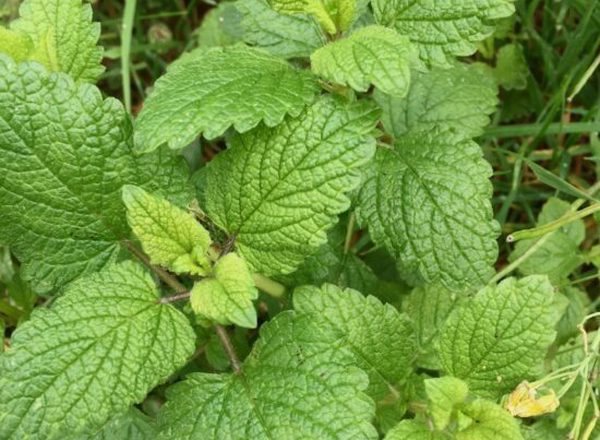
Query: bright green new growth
{"type": "Point", "coordinates": [65, 153]}
{"type": "Point", "coordinates": [227, 298]}
{"type": "Point", "coordinates": [427, 200]}
{"type": "Point", "coordinates": [442, 29]}
{"type": "Point", "coordinates": [460, 98]}
{"type": "Point", "coordinates": [170, 236]}
{"type": "Point", "coordinates": [560, 253]}
{"type": "Point", "coordinates": [498, 338]}
{"type": "Point", "coordinates": [15, 44]}
{"type": "Point", "coordinates": [101, 347]}
{"type": "Point", "coordinates": [444, 394]}
{"type": "Point", "coordinates": [297, 383]}
{"type": "Point", "coordinates": [381, 338]}
{"type": "Point", "coordinates": [287, 36]}
{"type": "Point", "coordinates": [333, 15]}
{"type": "Point", "coordinates": [371, 55]}
{"type": "Point", "coordinates": [208, 90]}
{"type": "Point", "coordinates": [278, 190]}
{"type": "Point", "coordinates": [63, 36]}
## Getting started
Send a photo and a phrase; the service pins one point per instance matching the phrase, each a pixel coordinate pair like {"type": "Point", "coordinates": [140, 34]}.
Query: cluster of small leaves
{"type": "Point", "coordinates": [417, 342]}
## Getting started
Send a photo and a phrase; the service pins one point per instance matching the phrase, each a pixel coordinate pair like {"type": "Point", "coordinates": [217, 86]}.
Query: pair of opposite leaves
{"type": "Point", "coordinates": [174, 239]}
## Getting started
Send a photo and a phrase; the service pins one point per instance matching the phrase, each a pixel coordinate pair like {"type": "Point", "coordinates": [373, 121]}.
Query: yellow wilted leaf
{"type": "Point", "coordinates": [524, 402]}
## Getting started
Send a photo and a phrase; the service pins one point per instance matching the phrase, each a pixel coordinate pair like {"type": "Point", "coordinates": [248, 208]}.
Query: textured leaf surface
{"type": "Point", "coordinates": [444, 393]}
{"type": "Point", "coordinates": [170, 236]}
{"type": "Point", "coordinates": [560, 254]}
{"type": "Point", "coordinates": [278, 190]}
{"type": "Point", "coordinates": [132, 425]}
{"type": "Point", "coordinates": [65, 153]}
{"type": "Point", "coordinates": [382, 339]}
{"type": "Point", "coordinates": [499, 338]}
{"type": "Point", "coordinates": [442, 29]}
{"type": "Point", "coordinates": [427, 200]}
{"type": "Point", "coordinates": [372, 55]}
{"type": "Point", "coordinates": [412, 430]}
{"type": "Point", "coordinates": [287, 36]}
{"type": "Point", "coordinates": [460, 98]}
{"type": "Point", "coordinates": [101, 347]}
{"type": "Point", "coordinates": [64, 37]}
{"type": "Point", "coordinates": [296, 384]}
{"type": "Point", "coordinates": [227, 298]}
{"type": "Point", "coordinates": [209, 90]}
{"type": "Point", "coordinates": [489, 422]}
{"type": "Point", "coordinates": [429, 306]}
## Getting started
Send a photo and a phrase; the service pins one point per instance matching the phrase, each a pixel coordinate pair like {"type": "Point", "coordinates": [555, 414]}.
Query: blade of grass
{"type": "Point", "coordinates": [126, 33]}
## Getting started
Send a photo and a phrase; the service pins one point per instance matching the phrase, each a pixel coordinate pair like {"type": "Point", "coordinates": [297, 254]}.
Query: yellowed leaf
{"type": "Point", "coordinates": [524, 401]}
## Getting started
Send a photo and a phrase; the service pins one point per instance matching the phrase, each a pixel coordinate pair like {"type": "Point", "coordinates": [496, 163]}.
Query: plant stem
{"type": "Point", "coordinates": [349, 233]}
{"type": "Point", "coordinates": [553, 226]}
{"type": "Point", "coordinates": [165, 276]}
{"type": "Point", "coordinates": [174, 298]}
{"type": "Point", "coordinates": [268, 285]}
{"type": "Point", "coordinates": [228, 346]}
{"type": "Point", "coordinates": [126, 33]}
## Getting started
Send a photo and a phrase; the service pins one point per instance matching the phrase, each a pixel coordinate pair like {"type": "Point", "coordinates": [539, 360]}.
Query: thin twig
{"type": "Point", "coordinates": [174, 298]}
{"type": "Point", "coordinates": [228, 346]}
{"type": "Point", "coordinates": [165, 276]}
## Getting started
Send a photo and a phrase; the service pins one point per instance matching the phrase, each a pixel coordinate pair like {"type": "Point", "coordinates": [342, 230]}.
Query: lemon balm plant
{"type": "Point", "coordinates": [337, 116]}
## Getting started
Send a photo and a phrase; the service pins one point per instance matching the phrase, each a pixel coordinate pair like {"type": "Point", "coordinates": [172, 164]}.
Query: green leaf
{"type": "Point", "coordinates": [287, 36]}
{"type": "Point", "coordinates": [65, 153]}
{"type": "Point", "coordinates": [7, 269]}
{"type": "Point", "coordinates": [499, 338]}
{"type": "Point", "coordinates": [412, 430]}
{"type": "Point", "coordinates": [15, 44]}
{"type": "Point", "coordinates": [227, 298]}
{"type": "Point", "coordinates": [297, 383]}
{"type": "Point", "coordinates": [64, 37]}
{"type": "Point", "coordinates": [442, 29]}
{"type": "Point", "coordinates": [573, 315]}
{"type": "Point", "coordinates": [330, 264]}
{"type": "Point", "coordinates": [427, 201]}
{"type": "Point", "coordinates": [170, 236]}
{"type": "Point", "coordinates": [560, 254]}
{"type": "Point", "coordinates": [278, 190]}
{"type": "Point", "coordinates": [511, 69]}
{"type": "Point", "coordinates": [489, 422]}
{"type": "Point", "coordinates": [371, 55]}
{"type": "Point", "coordinates": [429, 307]}
{"type": "Point", "coordinates": [220, 26]}
{"type": "Point", "coordinates": [460, 99]}
{"type": "Point", "coordinates": [444, 394]}
{"type": "Point", "coordinates": [132, 425]}
{"type": "Point", "coordinates": [102, 346]}
{"type": "Point", "coordinates": [382, 339]}
{"type": "Point", "coordinates": [208, 90]}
